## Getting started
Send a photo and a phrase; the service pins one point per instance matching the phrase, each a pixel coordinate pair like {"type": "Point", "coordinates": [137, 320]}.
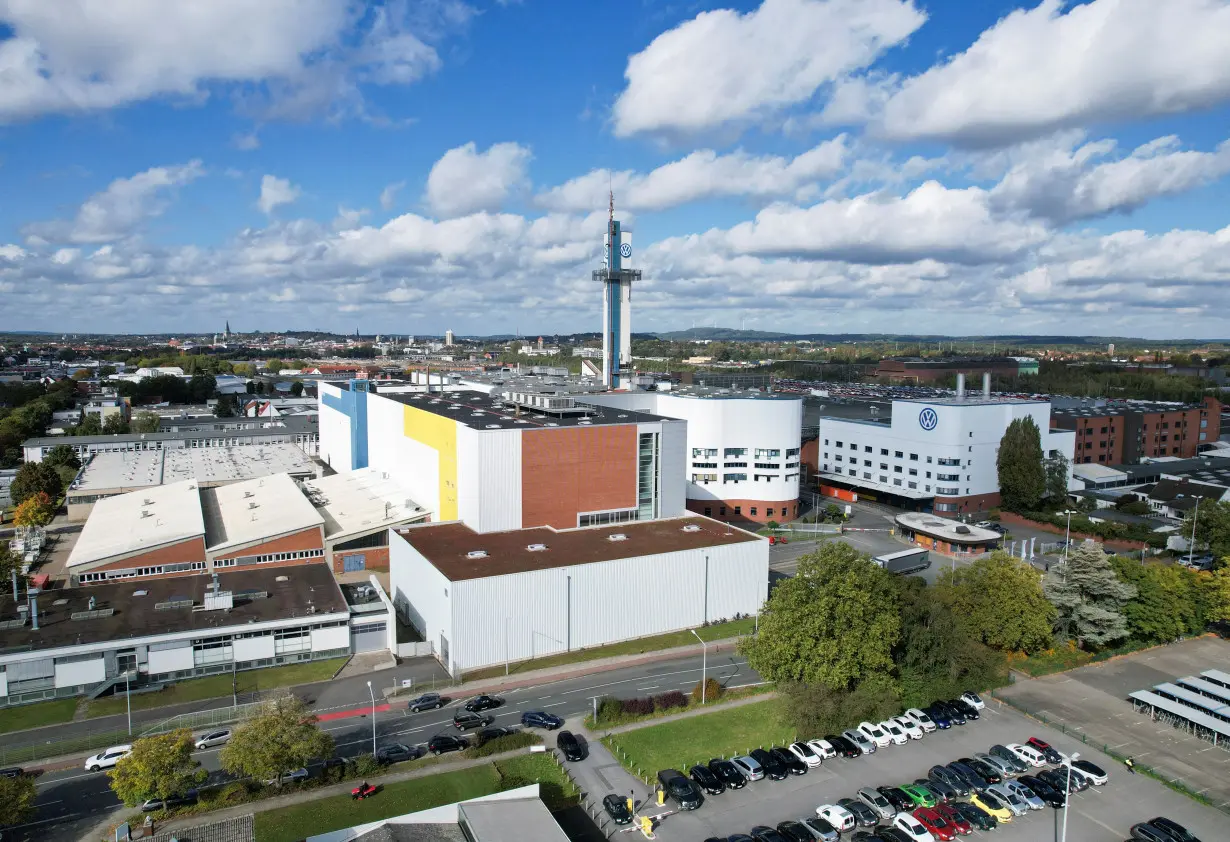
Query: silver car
{"type": "Point", "coordinates": [213, 738]}
{"type": "Point", "coordinates": [1006, 770]}
{"type": "Point", "coordinates": [859, 739]}
{"type": "Point", "coordinates": [877, 802]}
{"type": "Point", "coordinates": [1026, 794]}
{"type": "Point", "coordinates": [1015, 803]}
{"type": "Point", "coordinates": [751, 769]}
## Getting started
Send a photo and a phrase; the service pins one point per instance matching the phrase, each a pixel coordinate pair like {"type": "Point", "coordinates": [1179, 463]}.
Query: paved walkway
{"type": "Point", "coordinates": [688, 714]}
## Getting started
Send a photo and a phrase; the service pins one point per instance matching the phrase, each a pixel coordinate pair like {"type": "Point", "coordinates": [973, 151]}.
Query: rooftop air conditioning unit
{"type": "Point", "coordinates": [476, 554]}
{"type": "Point", "coordinates": [536, 548]}
{"type": "Point", "coordinates": [617, 536]}
{"type": "Point", "coordinates": [691, 527]}
{"type": "Point", "coordinates": [251, 505]}
{"type": "Point", "coordinates": [282, 579]}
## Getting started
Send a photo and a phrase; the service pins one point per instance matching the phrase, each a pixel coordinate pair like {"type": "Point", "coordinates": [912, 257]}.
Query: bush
{"type": "Point", "coordinates": [363, 766]}
{"type": "Point", "coordinates": [772, 524]}
{"type": "Point", "coordinates": [673, 699]}
{"type": "Point", "coordinates": [637, 707]}
{"type": "Point", "coordinates": [712, 688]}
{"type": "Point", "coordinates": [508, 742]}
{"type": "Point", "coordinates": [610, 709]}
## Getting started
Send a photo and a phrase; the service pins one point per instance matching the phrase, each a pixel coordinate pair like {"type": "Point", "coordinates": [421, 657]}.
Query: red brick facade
{"type": "Point", "coordinates": [185, 551]}
{"type": "Point", "coordinates": [568, 470]}
{"type": "Point", "coordinates": [746, 511]}
{"type": "Point", "coordinates": [307, 539]}
{"type": "Point", "coordinates": [374, 558]}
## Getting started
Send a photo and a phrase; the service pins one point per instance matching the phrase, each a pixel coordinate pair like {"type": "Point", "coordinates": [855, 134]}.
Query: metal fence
{"type": "Point", "coordinates": [211, 718]}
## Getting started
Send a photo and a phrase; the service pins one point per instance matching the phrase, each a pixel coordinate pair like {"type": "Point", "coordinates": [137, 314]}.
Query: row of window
{"type": "Point", "coordinates": [770, 511]}
{"type": "Point", "coordinates": [133, 572]}
{"type": "Point", "coordinates": [268, 558]}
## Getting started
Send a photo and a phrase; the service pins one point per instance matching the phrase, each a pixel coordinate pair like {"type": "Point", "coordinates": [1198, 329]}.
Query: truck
{"type": "Point", "coordinates": [904, 561]}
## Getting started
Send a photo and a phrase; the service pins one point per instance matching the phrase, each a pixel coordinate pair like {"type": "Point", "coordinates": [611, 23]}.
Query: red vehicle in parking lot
{"type": "Point", "coordinates": [775, 539]}
{"type": "Point", "coordinates": [958, 822]}
{"type": "Point", "coordinates": [936, 825]}
{"type": "Point", "coordinates": [1048, 751]}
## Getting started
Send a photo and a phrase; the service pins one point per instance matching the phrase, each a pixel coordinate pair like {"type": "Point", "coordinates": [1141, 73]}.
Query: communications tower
{"type": "Point", "coordinates": [616, 302]}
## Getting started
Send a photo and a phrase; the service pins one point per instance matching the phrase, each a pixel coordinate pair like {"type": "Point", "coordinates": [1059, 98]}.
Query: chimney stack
{"type": "Point", "coordinates": [986, 384]}
{"type": "Point", "coordinates": [960, 385]}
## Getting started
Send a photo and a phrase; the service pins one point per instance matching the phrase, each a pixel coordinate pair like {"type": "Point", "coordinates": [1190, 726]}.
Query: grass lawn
{"type": "Point", "coordinates": [36, 715]}
{"type": "Point", "coordinates": [716, 631]}
{"type": "Point", "coordinates": [215, 686]}
{"type": "Point", "coordinates": [684, 742]}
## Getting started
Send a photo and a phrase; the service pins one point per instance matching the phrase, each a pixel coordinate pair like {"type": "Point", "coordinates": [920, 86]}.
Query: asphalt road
{"type": "Point", "coordinates": [70, 802]}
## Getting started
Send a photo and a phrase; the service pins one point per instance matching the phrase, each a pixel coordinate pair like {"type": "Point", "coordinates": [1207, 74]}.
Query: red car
{"type": "Point", "coordinates": [959, 824]}
{"type": "Point", "coordinates": [1049, 752]}
{"type": "Point", "coordinates": [939, 826]}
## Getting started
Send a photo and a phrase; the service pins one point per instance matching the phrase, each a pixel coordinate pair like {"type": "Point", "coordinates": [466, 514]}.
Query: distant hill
{"type": "Point", "coordinates": [727, 334]}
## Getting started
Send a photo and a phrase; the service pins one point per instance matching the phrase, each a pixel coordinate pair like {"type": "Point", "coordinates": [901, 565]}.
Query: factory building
{"type": "Point", "coordinates": [1127, 432]}
{"type": "Point", "coordinates": [483, 599]}
{"type": "Point", "coordinates": [937, 453]}
{"type": "Point", "coordinates": [501, 462]}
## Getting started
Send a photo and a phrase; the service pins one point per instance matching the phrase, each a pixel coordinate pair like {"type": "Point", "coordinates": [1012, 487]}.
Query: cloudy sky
{"type": "Point", "coordinates": [407, 166]}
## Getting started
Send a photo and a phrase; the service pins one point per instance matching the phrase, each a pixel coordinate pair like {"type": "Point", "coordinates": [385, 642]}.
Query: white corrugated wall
{"type": "Point", "coordinates": [673, 468]}
{"type": "Point", "coordinates": [500, 480]}
{"type": "Point", "coordinates": [334, 431]}
{"type": "Point", "coordinates": [422, 592]}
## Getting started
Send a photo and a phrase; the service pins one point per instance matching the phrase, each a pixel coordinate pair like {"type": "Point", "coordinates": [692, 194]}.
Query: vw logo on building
{"type": "Point", "coordinates": [625, 250]}
{"type": "Point", "coordinates": [927, 419]}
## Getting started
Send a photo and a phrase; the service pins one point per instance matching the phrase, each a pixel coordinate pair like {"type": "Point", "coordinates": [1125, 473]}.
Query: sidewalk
{"type": "Point", "coordinates": [688, 714]}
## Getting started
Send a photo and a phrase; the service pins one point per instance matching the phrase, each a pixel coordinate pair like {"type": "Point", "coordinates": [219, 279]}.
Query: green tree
{"type": "Point", "coordinates": [1089, 598]}
{"type": "Point", "coordinates": [9, 561]}
{"type": "Point", "coordinates": [225, 407]}
{"type": "Point", "coordinates": [1132, 506]}
{"type": "Point", "coordinates": [1022, 477]}
{"type": "Point", "coordinates": [90, 426]}
{"type": "Point", "coordinates": [64, 455]}
{"type": "Point", "coordinates": [1056, 469]}
{"type": "Point", "coordinates": [275, 365]}
{"type": "Point", "coordinates": [1170, 601]}
{"type": "Point", "coordinates": [834, 623]}
{"type": "Point", "coordinates": [35, 510]}
{"type": "Point", "coordinates": [999, 601]}
{"type": "Point", "coordinates": [283, 736]}
{"type": "Point", "coordinates": [159, 767]}
{"type": "Point", "coordinates": [1212, 528]}
{"type": "Point", "coordinates": [16, 800]}
{"type": "Point", "coordinates": [145, 422]}
{"type": "Point", "coordinates": [296, 388]}
{"type": "Point", "coordinates": [35, 478]}
{"type": "Point", "coordinates": [115, 424]}
{"type": "Point", "coordinates": [202, 387]}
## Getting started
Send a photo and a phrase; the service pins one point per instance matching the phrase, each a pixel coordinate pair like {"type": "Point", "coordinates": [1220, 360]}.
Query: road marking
{"type": "Point", "coordinates": [650, 687]}
{"type": "Point", "coordinates": [555, 705]}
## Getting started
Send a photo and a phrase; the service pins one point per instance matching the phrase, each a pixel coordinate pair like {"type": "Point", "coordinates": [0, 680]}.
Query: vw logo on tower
{"type": "Point", "coordinates": [625, 250]}
{"type": "Point", "coordinates": [927, 419]}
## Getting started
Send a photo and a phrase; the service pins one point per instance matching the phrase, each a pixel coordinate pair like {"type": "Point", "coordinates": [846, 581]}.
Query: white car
{"type": "Point", "coordinates": [751, 769]}
{"type": "Point", "coordinates": [839, 817]}
{"type": "Point", "coordinates": [1027, 753]}
{"type": "Point", "coordinates": [860, 739]}
{"type": "Point", "coordinates": [894, 732]}
{"type": "Point", "coordinates": [874, 733]}
{"type": "Point", "coordinates": [1096, 774]}
{"type": "Point", "coordinates": [912, 828]}
{"type": "Point", "coordinates": [805, 753]}
{"type": "Point", "coordinates": [823, 748]}
{"type": "Point", "coordinates": [213, 738]}
{"type": "Point", "coordinates": [972, 699]}
{"type": "Point", "coordinates": [107, 759]}
{"type": "Point", "coordinates": [920, 719]}
{"type": "Point", "coordinates": [909, 726]}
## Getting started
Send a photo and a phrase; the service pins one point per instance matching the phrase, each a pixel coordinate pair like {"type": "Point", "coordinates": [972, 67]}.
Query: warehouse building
{"type": "Point", "coordinates": [487, 598]}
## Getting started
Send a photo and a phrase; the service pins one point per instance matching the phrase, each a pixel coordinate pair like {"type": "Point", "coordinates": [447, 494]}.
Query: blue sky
{"type": "Point", "coordinates": [803, 165]}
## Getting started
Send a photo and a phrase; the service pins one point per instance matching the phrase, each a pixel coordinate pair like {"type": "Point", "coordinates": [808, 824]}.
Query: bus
{"type": "Point", "coordinates": [905, 561]}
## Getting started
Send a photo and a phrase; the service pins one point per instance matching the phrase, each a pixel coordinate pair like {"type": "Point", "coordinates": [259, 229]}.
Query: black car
{"type": "Point", "coordinates": [541, 719]}
{"type": "Point", "coordinates": [793, 831]}
{"type": "Point", "coordinates": [949, 778]}
{"type": "Point", "coordinates": [1043, 790]}
{"type": "Point", "coordinates": [941, 791]}
{"type": "Point", "coordinates": [397, 753]}
{"type": "Point", "coordinates": [891, 834]}
{"type": "Point", "coordinates": [427, 701]}
{"type": "Point", "coordinates": [1146, 832]}
{"type": "Point", "coordinates": [570, 746]}
{"type": "Point", "coordinates": [12, 772]}
{"type": "Point", "coordinates": [464, 720]}
{"type": "Point", "coordinates": [739, 837]}
{"type": "Point", "coordinates": [901, 802]}
{"type": "Point", "coordinates": [154, 805]}
{"type": "Point", "coordinates": [706, 780]}
{"type": "Point", "coordinates": [764, 833]}
{"type": "Point", "coordinates": [774, 769]}
{"type": "Point", "coordinates": [983, 770]}
{"type": "Point", "coordinates": [726, 772]}
{"type": "Point", "coordinates": [1173, 829]}
{"type": "Point", "coordinates": [955, 715]}
{"type": "Point", "coordinates": [964, 708]}
{"type": "Point", "coordinates": [616, 807]}
{"type": "Point", "coordinates": [973, 780]}
{"type": "Point", "coordinates": [787, 758]}
{"type": "Point", "coordinates": [484, 702]}
{"type": "Point", "coordinates": [864, 816]}
{"type": "Point", "coordinates": [684, 793]}
{"type": "Point", "coordinates": [1057, 780]}
{"type": "Point", "coordinates": [445, 743]}
{"type": "Point", "coordinates": [843, 746]}
{"type": "Point", "coordinates": [976, 816]}
{"type": "Point", "coordinates": [494, 733]}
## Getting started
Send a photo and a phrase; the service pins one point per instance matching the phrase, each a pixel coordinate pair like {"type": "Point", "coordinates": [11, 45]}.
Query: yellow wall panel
{"type": "Point", "coordinates": [440, 434]}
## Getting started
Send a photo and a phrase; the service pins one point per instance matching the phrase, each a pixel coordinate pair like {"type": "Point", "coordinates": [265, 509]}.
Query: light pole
{"type": "Point", "coordinates": [1067, 796]}
{"type": "Point", "coordinates": [1067, 535]}
{"type": "Point", "coordinates": [1191, 547]}
{"type": "Point", "coordinates": [704, 665]}
{"type": "Point", "coordinates": [128, 697]}
{"type": "Point", "coordinates": [372, 693]}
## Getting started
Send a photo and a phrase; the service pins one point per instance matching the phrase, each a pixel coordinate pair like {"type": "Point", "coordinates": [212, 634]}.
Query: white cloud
{"type": "Point", "coordinates": [275, 191]}
{"type": "Point", "coordinates": [348, 218]}
{"type": "Point", "coordinates": [1045, 68]}
{"type": "Point", "coordinates": [388, 196]}
{"type": "Point", "coordinates": [723, 67]}
{"type": "Point", "coordinates": [465, 180]}
{"type": "Point", "coordinates": [703, 174]}
{"type": "Point", "coordinates": [246, 142]}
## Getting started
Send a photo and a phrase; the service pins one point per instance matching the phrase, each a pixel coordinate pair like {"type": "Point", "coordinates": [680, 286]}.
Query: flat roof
{"type": "Point", "coordinates": [945, 529]}
{"type": "Point", "coordinates": [129, 469]}
{"type": "Point", "coordinates": [1103, 409]}
{"type": "Point", "coordinates": [285, 425]}
{"type": "Point", "coordinates": [974, 399]}
{"type": "Point", "coordinates": [140, 521]}
{"type": "Point", "coordinates": [481, 411]}
{"type": "Point", "coordinates": [446, 545]}
{"type": "Point", "coordinates": [136, 616]}
{"type": "Point", "coordinates": [254, 510]}
{"type": "Point", "coordinates": [361, 501]}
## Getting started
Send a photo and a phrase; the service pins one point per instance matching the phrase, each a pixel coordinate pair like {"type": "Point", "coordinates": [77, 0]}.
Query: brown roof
{"type": "Point", "coordinates": [445, 545]}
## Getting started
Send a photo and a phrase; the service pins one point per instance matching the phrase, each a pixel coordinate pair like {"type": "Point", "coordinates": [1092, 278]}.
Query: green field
{"type": "Point", "coordinates": [37, 715]}
{"type": "Point", "coordinates": [716, 631]}
{"type": "Point", "coordinates": [684, 742]}
{"type": "Point", "coordinates": [288, 824]}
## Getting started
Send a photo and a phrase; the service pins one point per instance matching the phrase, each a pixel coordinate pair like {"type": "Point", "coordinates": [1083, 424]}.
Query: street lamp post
{"type": "Point", "coordinates": [704, 666]}
{"type": "Point", "coordinates": [128, 697]}
{"type": "Point", "coordinates": [372, 693]}
{"type": "Point", "coordinates": [1067, 796]}
{"type": "Point", "coordinates": [1191, 547]}
{"type": "Point", "coordinates": [1067, 537]}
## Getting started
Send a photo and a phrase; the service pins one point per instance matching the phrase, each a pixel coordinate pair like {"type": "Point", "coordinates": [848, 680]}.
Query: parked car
{"type": "Point", "coordinates": [936, 824]}
{"type": "Point", "coordinates": [874, 734]}
{"type": "Point", "coordinates": [1176, 831]}
{"type": "Point", "coordinates": [975, 781]}
{"type": "Point", "coordinates": [1096, 775]}
{"type": "Point", "coordinates": [939, 717]}
{"type": "Point", "coordinates": [839, 817]}
{"type": "Point", "coordinates": [922, 719]}
{"type": "Point", "coordinates": [959, 823]}
{"type": "Point", "coordinates": [859, 739]}
{"type": "Point", "coordinates": [1007, 755]}
{"type": "Point", "coordinates": [876, 800]}
{"type": "Point", "coordinates": [795, 831]}
{"type": "Point", "coordinates": [805, 753]}
{"type": "Point", "coordinates": [1028, 754]}
{"type": "Point", "coordinates": [846, 748]}
{"type": "Point", "coordinates": [920, 795]}
{"type": "Point", "coordinates": [397, 753]}
{"type": "Point", "coordinates": [1080, 781]}
{"type": "Point", "coordinates": [901, 802]}
{"type": "Point", "coordinates": [1025, 794]}
{"type": "Point", "coordinates": [681, 790]}
{"type": "Point", "coordinates": [1058, 778]}
{"type": "Point", "coordinates": [1015, 803]}
{"type": "Point", "coordinates": [1005, 769]}
{"type": "Point", "coordinates": [541, 719]}
{"type": "Point", "coordinates": [706, 780]}
{"type": "Point", "coordinates": [764, 833]}
{"type": "Point", "coordinates": [823, 748]}
{"type": "Point", "coordinates": [911, 728]}
{"type": "Point", "coordinates": [493, 733]}
{"type": "Point", "coordinates": [726, 772]}
{"type": "Point", "coordinates": [1041, 789]}
{"type": "Point", "coordinates": [941, 791]}
{"type": "Point", "coordinates": [427, 701]}
{"type": "Point", "coordinates": [464, 720]}
{"type": "Point", "coordinates": [1146, 832]}
{"type": "Point", "coordinates": [12, 772]}
{"type": "Point", "coordinates": [749, 767]}
{"type": "Point", "coordinates": [1050, 753]}
{"type": "Point", "coordinates": [107, 758]}
{"type": "Point", "coordinates": [154, 805]}
{"type": "Point", "coordinates": [950, 778]}
{"type": "Point", "coordinates": [962, 707]}
{"type": "Point", "coordinates": [973, 700]}
{"type": "Point", "coordinates": [444, 743]}
{"type": "Point", "coordinates": [987, 772]}
{"type": "Point", "coordinates": [987, 801]}
{"type": "Point", "coordinates": [912, 828]}
{"type": "Point", "coordinates": [976, 816]}
{"type": "Point", "coordinates": [483, 702]}
{"type": "Point", "coordinates": [823, 831]}
{"type": "Point", "coordinates": [864, 816]}
{"type": "Point", "coordinates": [616, 807]}
{"type": "Point", "coordinates": [773, 768]}
{"type": "Point", "coordinates": [213, 738]}
{"type": "Point", "coordinates": [291, 777]}
{"type": "Point", "coordinates": [892, 834]}
{"type": "Point", "coordinates": [570, 746]}
{"type": "Point", "coordinates": [787, 758]}
{"type": "Point", "coordinates": [894, 731]}
{"type": "Point", "coordinates": [955, 715]}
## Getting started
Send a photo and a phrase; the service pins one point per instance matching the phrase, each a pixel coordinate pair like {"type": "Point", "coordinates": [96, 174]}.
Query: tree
{"type": "Point", "coordinates": [296, 388]}
{"type": "Point", "coordinates": [999, 601]}
{"type": "Point", "coordinates": [834, 623]}
{"type": "Point", "coordinates": [1089, 598]}
{"type": "Point", "coordinates": [17, 796]}
{"type": "Point", "coordinates": [1212, 527]}
{"type": "Point", "coordinates": [1056, 469]}
{"type": "Point", "coordinates": [815, 709]}
{"type": "Point", "coordinates": [1170, 601]}
{"type": "Point", "coordinates": [145, 422]}
{"type": "Point", "coordinates": [1022, 478]}
{"type": "Point", "coordinates": [35, 478]}
{"type": "Point", "coordinates": [274, 365]}
{"type": "Point", "coordinates": [202, 387]}
{"type": "Point", "coordinates": [64, 455]}
{"type": "Point", "coordinates": [115, 424]}
{"type": "Point", "coordinates": [1132, 506]}
{"type": "Point", "coordinates": [90, 426]}
{"type": "Point", "coordinates": [9, 561]}
{"type": "Point", "coordinates": [159, 767]}
{"type": "Point", "coordinates": [35, 510]}
{"type": "Point", "coordinates": [225, 407]}
{"type": "Point", "coordinates": [281, 737]}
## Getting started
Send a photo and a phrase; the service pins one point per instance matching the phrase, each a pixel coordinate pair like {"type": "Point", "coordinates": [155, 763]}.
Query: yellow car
{"type": "Point", "coordinates": [990, 804]}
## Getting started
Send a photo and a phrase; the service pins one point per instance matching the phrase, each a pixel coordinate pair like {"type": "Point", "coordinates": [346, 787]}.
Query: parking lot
{"type": "Point", "coordinates": [1096, 815]}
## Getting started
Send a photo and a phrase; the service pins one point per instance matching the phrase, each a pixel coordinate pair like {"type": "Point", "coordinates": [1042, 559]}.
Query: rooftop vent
{"type": "Point", "coordinates": [493, 426]}
{"type": "Point", "coordinates": [617, 536]}
{"type": "Point", "coordinates": [140, 593]}
{"type": "Point", "coordinates": [691, 527]}
{"type": "Point", "coordinates": [536, 548]}
{"type": "Point", "coordinates": [476, 554]}
{"type": "Point", "coordinates": [282, 579]}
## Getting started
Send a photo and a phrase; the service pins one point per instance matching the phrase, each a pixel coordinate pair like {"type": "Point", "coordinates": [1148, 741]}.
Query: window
{"type": "Point", "coordinates": [867, 449]}
{"type": "Point", "coordinates": [896, 482]}
{"type": "Point", "coordinates": [734, 478]}
{"type": "Point", "coordinates": [852, 472]}
{"type": "Point", "coordinates": [737, 452]}
{"type": "Point", "coordinates": [883, 466]}
{"type": "Point", "coordinates": [753, 510]}
{"type": "Point", "coordinates": [853, 446]}
{"type": "Point", "coordinates": [945, 507]}
{"type": "Point", "coordinates": [913, 472]}
{"type": "Point", "coordinates": [948, 477]}
{"type": "Point", "coordinates": [704, 453]}
{"type": "Point", "coordinates": [738, 510]}
{"type": "Point", "coordinates": [947, 461]}
{"type": "Point", "coordinates": [913, 457]}
{"type": "Point", "coordinates": [704, 478]}
{"type": "Point", "coordinates": [896, 469]}
{"type": "Point", "coordinates": [928, 460]}
{"type": "Point", "coordinates": [866, 474]}
{"type": "Point", "coordinates": [704, 464]}
{"type": "Point", "coordinates": [772, 466]}
{"type": "Point", "coordinates": [897, 454]}
{"type": "Point", "coordinates": [866, 463]}
{"type": "Point", "coordinates": [768, 512]}
{"type": "Point", "coordinates": [792, 452]}
{"type": "Point", "coordinates": [912, 485]}
{"type": "Point", "coordinates": [837, 458]}
{"type": "Point", "coordinates": [722, 511]}
{"type": "Point", "coordinates": [883, 479]}
{"type": "Point", "coordinates": [764, 453]}
{"type": "Point", "coordinates": [744, 464]}
{"type": "Point", "coordinates": [949, 490]}
{"type": "Point", "coordinates": [883, 451]}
